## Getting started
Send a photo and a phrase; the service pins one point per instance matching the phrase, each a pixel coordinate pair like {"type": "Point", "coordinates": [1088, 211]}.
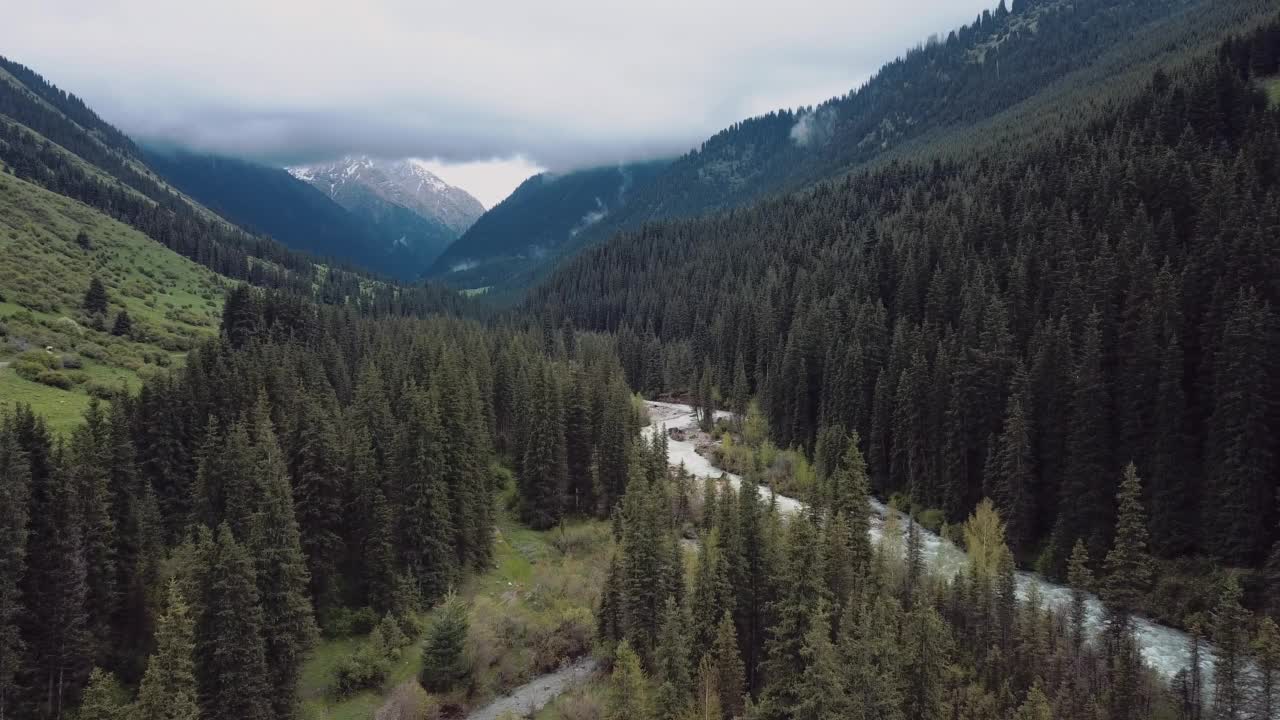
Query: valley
{"type": "Point", "coordinates": [953, 395]}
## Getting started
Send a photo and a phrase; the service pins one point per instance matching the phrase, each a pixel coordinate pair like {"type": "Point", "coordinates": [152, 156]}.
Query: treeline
{"type": "Point", "coordinates": [1019, 325]}
{"type": "Point", "coordinates": [802, 617]}
{"type": "Point", "coordinates": [312, 471]}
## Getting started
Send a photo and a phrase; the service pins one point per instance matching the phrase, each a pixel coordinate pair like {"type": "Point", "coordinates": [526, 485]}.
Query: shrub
{"type": "Point", "coordinates": [53, 378]}
{"type": "Point", "coordinates": [100, 391]}
{"type": "Point", "coordinates": [364, 669]}
{"type": "Point", "coordinates": [345, 622]}
{"type": "Point", "coordinates": [72, 362]}
{"type": "Point", "coordinates": [41, 358]}
{"type": "Point", "coordinates": [409, 702]}
{"type": "Point", "coordinates": [392, 636]}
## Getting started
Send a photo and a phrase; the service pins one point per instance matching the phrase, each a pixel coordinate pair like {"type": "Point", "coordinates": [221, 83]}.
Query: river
{"type": "Point", "coordinates": [1166, 650]}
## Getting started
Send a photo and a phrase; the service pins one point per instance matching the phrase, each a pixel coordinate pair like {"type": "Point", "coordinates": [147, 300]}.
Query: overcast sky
{"type": "Point", "coordinates": [490, 90]}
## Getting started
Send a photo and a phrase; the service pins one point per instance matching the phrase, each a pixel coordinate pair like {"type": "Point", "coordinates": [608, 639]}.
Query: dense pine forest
{"type": "Point", "coordinates": [1061, 355]}
{"type": "Point", "coordinates": [1016, 325]}
{"type": "Point", "coordinates": [311, 470]}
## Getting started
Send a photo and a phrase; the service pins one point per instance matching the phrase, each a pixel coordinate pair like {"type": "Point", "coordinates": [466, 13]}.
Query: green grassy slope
{"type": "Point", "coordinates": [44, 273]}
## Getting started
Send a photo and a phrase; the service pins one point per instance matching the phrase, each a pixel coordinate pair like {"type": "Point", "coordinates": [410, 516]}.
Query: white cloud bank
{"type": "Point", "coordinates": [555, 83]}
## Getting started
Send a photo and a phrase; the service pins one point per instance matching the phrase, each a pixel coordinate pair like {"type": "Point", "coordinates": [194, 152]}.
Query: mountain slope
{"type": "Point", "coordinates": [546, 212]}
{"type": "Point", "coordinates": [274, 202]}
{"type": "Point", "coordinates": [44, 274]}
{"type": "Point", "coordinates": [1009, 76]}
{"type": "Point", "coordinates": [1018, 324]}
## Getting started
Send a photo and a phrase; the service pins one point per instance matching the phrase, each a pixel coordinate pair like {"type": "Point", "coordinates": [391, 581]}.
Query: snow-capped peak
{"type": "Point", "coordinates": [407, 182]}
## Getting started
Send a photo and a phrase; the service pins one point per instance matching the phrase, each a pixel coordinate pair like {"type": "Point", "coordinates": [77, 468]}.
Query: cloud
{"type": "Point", "coordinates": [814, 127]}
{"type": "Point", "coordinates": [560, 83]}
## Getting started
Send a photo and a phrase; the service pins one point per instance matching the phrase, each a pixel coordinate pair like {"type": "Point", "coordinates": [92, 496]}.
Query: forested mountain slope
{"type": "Point", "coordinates": [1019, 324]}
{"type": "Point", "coordinates": [273, 202]}
{"type": "Point", "coordinates": [51, 139]}
{"type": "Point", "coordinates": [547, 212]}
{"type": "Point", "coordinates": [1007, 77]}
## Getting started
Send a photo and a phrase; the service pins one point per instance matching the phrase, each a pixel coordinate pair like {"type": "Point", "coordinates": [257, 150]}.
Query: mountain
{"type": "Point", "coordinates": [392, 240]}
{"type": "Point", "coordinates": [79, 203]}
{"type": "Point", "coordinates": [363, 184]}
{"type": "Point", "coordinates": [546, 212]}
{"type": "Point", "coordinates": [1018, 321]}
{"type": "Point", "coordinates": [1004, 78]}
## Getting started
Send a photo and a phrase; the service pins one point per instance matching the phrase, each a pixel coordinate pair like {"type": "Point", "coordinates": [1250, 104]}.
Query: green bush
{"type": "Point", "coordinates": [53, 378]}
{"type": "Point", "coordinates": [364, 669]}
{"type": "Point", "coordinates": [345, 622]}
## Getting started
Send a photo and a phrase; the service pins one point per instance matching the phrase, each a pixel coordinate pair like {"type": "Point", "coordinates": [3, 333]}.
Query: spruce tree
{"type": "Point", "coordinates": [1240, 445]}
{"type": "Point", "coordinates": [425, 528]}
{"type": "Point", "coordinates": [927, 649]}
{"type": "Point", "coordinates": [671, 664]}
{"type": "Point", "coordinates": [444, 662]}
{"type": "Point", "coordinates": [1081, 496]}
{"type": "Point", "coordinates": [57, 624]}
{"type": "Point", "coordinates": [822, 689]}
{"type": "Point", "coordinates": [1230, 633]}
{"type": "Point", "coordinates": [1080, 578]}
{"type": "Point", "coordinates": [628, 697]}
{"type": "Point", "coordinates": [712, 594]}
{"type": "Point", "coordinates": [542, 478]}
{"type": "Point", "coordinates": [168, 689]}
{"type": "Point", "coordinates": [706, 692]}
{"type": "Point", "coordinates": [123, 325]}
{"type": "Point", "coordinates": [231, 667]}
{"type": "Point", "coordinates": [314, 465]}
{"type": "Point", "coordinates": [872, 655]}
{"type": "Point", "coordinates": [15, 492]}
{"type": "Point", "coordinates": [103, 698]}
{"type": "Point", "coordinates": [803, 590]}
{"type": "Point", "coordinates": [289, 628]}
{"type": "Point", "coordinates": [1128, 565]}
{"type": "Point", "coordinates": [578, 447]}
{"type": "Point", "coordinates": [95, 297]}
{"type": "Point", "coordinates": [727, 660]}
{"type": "Point", "coordinates": [1266, 651]}
{"type": "Point", "coordinates": [1011, 482]}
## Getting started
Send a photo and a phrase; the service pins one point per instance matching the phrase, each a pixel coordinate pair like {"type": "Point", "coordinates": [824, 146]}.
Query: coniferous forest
{"type": "Point", "coordinates": [1019, 326]}
{"type": "Point", "coordinates": [1059, 358]}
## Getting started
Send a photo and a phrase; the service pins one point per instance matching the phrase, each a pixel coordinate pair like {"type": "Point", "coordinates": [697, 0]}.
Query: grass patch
{"type": "Point", "coordinates": [61, 409]}
{"type": "Point", "coordinates": [44, 272]}
{"type": "Point", "coordinates": [530, 612]}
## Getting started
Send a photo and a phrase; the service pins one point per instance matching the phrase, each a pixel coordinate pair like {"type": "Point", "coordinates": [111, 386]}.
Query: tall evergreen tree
{"type": "Point", "coordinates": [95, 297]}
{"type": "Point", "coordinates": [542, 479]}
{"type": "Point", "coordinates": [168, 690]}
{"type": "Point", "coordinates": [1128, 565]}
{"type": "Point", "coordinates": [628, 688]}
{"type": "Point", "coordinates": [1230, 698]}
{"type": "Point", "coordinates": [231, 667]}
{"type": "Point", "coordinates": [288, 628]}
{"type": "Point", "coordinates": [15, 492]}
{"type": "Point", "coordinates": [730, 676]}
{"type": "Point", "coordinates": [671, 664]}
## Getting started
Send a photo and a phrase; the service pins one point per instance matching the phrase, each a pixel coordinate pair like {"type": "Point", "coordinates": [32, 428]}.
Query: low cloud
{"type": "Point", "coordinates": [563, 83]}
{"type": "Point", "coordinates": [814, 127]}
